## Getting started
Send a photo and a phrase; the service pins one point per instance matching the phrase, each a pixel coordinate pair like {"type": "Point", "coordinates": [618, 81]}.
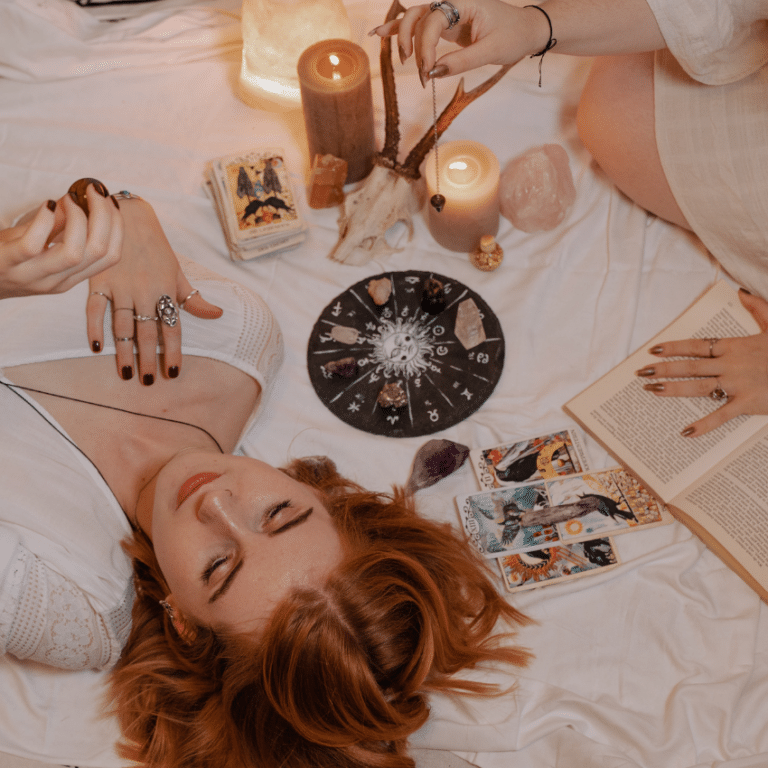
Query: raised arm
{"type": "Point", "coordinates": [495, 32]}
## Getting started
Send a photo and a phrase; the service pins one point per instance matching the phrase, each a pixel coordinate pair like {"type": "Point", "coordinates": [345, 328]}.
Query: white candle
{"type": "Point", "coordinates": [469, 181]}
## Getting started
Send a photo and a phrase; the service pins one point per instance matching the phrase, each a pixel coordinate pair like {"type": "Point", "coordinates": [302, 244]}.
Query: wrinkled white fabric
{"type": "Point", "coordinates": [63, 40]}
{"type": "Point", "coordinates": [667, 633]}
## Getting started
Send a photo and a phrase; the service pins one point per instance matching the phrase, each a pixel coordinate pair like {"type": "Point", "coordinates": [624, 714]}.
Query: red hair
{"type": "Point", "coordinates": [340, 676]}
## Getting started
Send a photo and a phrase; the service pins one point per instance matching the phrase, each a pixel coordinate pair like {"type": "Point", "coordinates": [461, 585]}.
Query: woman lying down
{"type": "Point", "coordinates": [279, 617]}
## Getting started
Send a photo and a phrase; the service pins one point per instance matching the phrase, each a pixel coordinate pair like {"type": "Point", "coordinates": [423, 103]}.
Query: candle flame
{"type": "Point", "coordinates": [334, 59]}
{"type": "Point", "coordinates": [458, 165]}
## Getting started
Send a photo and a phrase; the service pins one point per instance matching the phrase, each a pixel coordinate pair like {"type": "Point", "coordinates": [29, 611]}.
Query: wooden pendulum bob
{"type": "Point", "coordinates": [437, 202]}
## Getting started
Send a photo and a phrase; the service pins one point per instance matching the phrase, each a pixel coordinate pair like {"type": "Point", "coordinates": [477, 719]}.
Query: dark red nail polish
{"type": "Point", "coordinates": [96, 346]}
{"type": "Point", "coordinates": [127, 372]}
{"type": "Point", "coordinates": [173, 371]}
{"type": "Point", "coordinates": [114, 200]}
{"type": "Point", "coordinates": [148, 379]}
{"type": "Point", "coordinates": [51, 205]}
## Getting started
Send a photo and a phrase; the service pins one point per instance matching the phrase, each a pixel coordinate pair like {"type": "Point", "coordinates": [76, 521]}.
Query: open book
{"type": "Point", "coordinates": [716, 484]}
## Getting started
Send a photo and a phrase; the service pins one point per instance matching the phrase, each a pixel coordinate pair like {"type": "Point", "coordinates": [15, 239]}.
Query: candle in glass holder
{"type": "Point", "coordinates": [469, 181]}
{"type": "Point", "coordinates": [336, 98]}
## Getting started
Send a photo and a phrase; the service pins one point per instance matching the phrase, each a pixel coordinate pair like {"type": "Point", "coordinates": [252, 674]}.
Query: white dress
{"type": "Point", "coordinates": [711, 100]}
{"type": "Point", "coordinates": [65, 582]}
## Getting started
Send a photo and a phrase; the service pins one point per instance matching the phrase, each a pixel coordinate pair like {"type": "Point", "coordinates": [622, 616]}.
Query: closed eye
{"type": "Point", "coordinates": [211, 568]}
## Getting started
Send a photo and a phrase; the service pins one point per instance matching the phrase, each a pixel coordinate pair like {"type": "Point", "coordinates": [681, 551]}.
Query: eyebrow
{"type": "Point", "coordinates": [227, 583]}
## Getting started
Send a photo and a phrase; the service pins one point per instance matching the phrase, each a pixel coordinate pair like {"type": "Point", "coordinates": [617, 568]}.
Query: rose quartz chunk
{"type": "Point", "coordinates": [536, 188]}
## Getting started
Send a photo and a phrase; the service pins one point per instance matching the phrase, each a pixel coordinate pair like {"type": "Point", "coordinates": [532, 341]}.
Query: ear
{"type": "Point", "coordinates": [185, 629]}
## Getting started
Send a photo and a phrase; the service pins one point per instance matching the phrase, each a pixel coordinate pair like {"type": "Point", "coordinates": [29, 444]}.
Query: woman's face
{"type": "Point", "coordinates": [233, 536]}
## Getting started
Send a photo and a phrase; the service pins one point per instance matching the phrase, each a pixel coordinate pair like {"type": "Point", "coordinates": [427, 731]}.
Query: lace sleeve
{"type": "Point", "coordinates": [47, 618]}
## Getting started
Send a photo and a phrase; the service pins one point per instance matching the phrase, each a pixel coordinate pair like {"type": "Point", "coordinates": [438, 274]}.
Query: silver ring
{"type": "Point", "coordinates": [184, 301]}
{"type": "Point", "coordinates": [99, 293]}
{"type": "Point", "coordinates": [712, 343]}
{"type": "Point", "coordinates": [718, 394]}
{"type": "Point", "coordinates": [142, 318]}
{"type": "Point", "coordinates": [166, 310]}
{"type": "Point", "coordinates": [451, 11]}
{"type": "Point", "coordinates": [124, 338]}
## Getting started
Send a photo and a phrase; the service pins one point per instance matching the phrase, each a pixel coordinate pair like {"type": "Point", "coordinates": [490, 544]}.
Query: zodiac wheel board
{"type": "Point", "coordinates": [436, 373]}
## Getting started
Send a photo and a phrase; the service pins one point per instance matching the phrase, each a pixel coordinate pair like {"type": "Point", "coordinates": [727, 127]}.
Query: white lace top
{"type": "Point", "coordinates": [65, 583]}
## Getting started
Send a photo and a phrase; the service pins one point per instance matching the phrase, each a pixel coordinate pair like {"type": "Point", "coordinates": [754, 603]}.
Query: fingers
{"type": "Point", "coordinates": [147, 336]}
{"type": "Point", "coordinates": [95, 308]}
{"type": "Point", "coordinates": [687, 388]}
{"type": "Point", "coordinates": [757, 306]}
{"type": "Point", "coordinates": [690, 348]}
{"type": "Point", "coordinates": [39, 230]}
{"type": "Point", "coordinates": [123, 329]}
{"type": "Point", "coordinates": [429, 29]}
{"type": "Point", "coordinates": [191, 301]}
{"type": "Point", "coordinates": [712, 421]}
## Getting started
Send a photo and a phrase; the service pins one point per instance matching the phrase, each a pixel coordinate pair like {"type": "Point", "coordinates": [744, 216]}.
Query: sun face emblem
{"type": "Point", "coordinates": [402, 348]}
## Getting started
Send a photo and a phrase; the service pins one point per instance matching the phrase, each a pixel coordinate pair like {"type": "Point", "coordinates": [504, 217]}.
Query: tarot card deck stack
{"type": "Point", "coordinates": [255, 203]}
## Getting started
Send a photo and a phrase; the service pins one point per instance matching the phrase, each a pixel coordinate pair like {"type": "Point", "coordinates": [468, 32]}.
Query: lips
{"type": "Point", "coordinates": [191, 485]}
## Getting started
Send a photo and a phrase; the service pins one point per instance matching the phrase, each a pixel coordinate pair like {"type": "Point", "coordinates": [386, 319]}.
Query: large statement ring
{"type": "Point", "coordinates": [712, 343]}
{"type": "Point", "coordinates": [166, 310]}
{"type": "Point", "coordinates": [718, 393]}
{"type": "Point", "coordinates": [451, 11]}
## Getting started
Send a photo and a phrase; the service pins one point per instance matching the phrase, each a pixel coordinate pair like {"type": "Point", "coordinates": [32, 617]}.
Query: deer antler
{"type": "Point", "coordinates": [460, 100]}
{"type": "Point", "coordinates": [386, 195]}
{"type": "Point", "coordinates": [391, 112]}
{"type": "Point", "coordinates": [388, 155]}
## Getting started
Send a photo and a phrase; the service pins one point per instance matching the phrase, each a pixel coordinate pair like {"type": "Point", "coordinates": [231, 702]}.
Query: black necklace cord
{"type": "Point", "coordinates": [115, 408]}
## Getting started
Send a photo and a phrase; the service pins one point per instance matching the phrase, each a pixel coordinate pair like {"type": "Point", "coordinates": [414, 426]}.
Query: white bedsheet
{"type": "Point", "coordinates": [660, 663]}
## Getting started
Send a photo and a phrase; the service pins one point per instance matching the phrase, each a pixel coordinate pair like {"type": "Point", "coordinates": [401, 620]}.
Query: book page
{"type": "Point", "coordinates": [643, 430]}
{"type": "Point", "coordinates": [731, 504]}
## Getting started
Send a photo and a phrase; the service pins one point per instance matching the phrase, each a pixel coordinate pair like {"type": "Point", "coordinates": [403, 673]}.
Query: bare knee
{"type": "Point", "coordinates": [615, 120]}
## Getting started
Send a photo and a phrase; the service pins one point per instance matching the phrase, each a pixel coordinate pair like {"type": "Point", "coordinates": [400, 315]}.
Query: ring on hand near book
{"type": "Point", "coordinates": [718, 393]}
{"type": "Point", "coordinates": [712, 343]}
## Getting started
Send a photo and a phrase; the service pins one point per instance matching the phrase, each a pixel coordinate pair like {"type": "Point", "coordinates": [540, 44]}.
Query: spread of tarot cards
{"type": "Point", "coordinates": [405, 354]}
{"type": "Point", "coordinates": [558, 511]}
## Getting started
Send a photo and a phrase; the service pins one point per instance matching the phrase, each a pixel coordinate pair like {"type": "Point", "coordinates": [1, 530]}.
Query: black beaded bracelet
{"type": "Point", "coordinates": [551, 43]}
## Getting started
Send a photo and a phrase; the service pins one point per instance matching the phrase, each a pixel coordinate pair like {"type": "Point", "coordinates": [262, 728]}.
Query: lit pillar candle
{"type": "Point", "coordinates": [335, 82]}
{"type": "Point", "coordinates": [275, 32]}
{"type": "Point", "coordinates": [469, 181]}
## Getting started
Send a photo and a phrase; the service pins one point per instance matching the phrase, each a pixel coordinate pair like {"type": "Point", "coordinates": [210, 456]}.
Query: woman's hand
{"type": "Point", "coordinates": [494, 32]}
{"type": "Point", "coordinates": [32, 262]}
{"type": "Point", "coordinates": [148, 269]}
{"type": "Point", "coordinates": [489, 31]}
{"type": "Point", "coordinates": [738, 367]}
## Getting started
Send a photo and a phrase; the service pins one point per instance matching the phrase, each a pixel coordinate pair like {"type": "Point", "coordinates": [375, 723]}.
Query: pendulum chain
{"type": "Point", "coordinates": [437, 200]}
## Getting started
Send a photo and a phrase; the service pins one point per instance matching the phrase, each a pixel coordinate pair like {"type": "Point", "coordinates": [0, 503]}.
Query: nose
{"type": "Point", "coordinates": [216, 509]}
